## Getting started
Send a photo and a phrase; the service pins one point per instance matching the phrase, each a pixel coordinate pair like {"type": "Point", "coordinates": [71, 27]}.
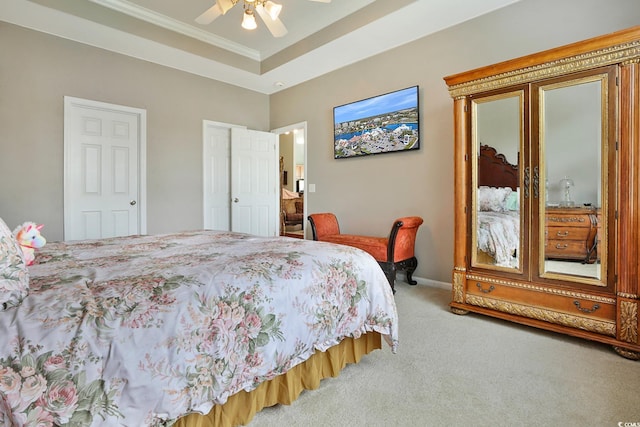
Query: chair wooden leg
{"type": "Point", "coordinates": [412, 264]}
{"type": "Point", "coordinates": [408, 265]}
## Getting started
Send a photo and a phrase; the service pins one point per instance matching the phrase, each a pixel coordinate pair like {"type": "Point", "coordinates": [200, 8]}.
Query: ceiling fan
{"type": "Point", "coordinates": [267, 9]}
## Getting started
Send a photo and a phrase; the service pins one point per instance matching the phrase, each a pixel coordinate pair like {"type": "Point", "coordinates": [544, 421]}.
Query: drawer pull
{"type": "Point", "coordinates": [559, 246]}
{"type": "Point", "coordinates": [586, 310]}
{"type": "Point", "coordinates": [485, 291]}
{"type": "Point", "coordinates": [562, 233]}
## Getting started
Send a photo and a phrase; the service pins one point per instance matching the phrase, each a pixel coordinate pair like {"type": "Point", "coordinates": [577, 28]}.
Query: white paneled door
{"type": "Point", "coordinates": [255, 196]}
{"type": "Point", "coordinates": [217, 175]}
{"type": "Point", "coordinates": [240, 179]}
{"type": "Point", "coordinates": [104, 148]}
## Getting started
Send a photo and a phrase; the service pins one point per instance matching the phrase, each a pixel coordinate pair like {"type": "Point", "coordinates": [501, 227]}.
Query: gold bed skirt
{"type": "Point", "coordinates": [484, 258]}
{"type": "Point", "coordinates": [284, 389]}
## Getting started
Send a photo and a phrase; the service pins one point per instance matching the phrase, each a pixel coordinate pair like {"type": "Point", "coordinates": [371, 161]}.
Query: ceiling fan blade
{"type": "Point", "coordinates": [209, 15]}
{"type": "Point", "coordinates": [225, 5]}
{"type": "Point", "coordinates": [322, 1]}
{"type": "Point", "coordinates": [276, 26]}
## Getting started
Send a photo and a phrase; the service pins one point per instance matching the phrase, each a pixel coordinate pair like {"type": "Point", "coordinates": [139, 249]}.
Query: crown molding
{"type": "Point", "coordinates": [139, 12]}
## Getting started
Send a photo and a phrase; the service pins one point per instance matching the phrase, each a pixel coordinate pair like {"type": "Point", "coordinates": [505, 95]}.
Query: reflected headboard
{"type": "Point", "coordinates": [495, 171]}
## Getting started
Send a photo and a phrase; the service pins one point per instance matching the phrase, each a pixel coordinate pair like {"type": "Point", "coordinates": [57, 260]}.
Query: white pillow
{"type": "Point", "coordinates": [493, 199]}
{"type": "Point", "coordinates": [14, 278]}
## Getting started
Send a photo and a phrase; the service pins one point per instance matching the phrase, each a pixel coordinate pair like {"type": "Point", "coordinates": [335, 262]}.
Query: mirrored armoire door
{"type": "Point", "coordinates": [574, 156]}
{"type": "Point", "coordinates": [499, 200]}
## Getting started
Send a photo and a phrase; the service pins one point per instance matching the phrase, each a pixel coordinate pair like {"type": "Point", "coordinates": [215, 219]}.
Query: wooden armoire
{"type": "Point", "coordinates": [547, 190]}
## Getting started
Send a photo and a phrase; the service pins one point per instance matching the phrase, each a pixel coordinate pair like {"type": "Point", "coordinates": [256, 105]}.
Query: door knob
{"type": "Point", "coordinates": [236, 200]}
{"type": "Point", "coordinates": [132, 203]}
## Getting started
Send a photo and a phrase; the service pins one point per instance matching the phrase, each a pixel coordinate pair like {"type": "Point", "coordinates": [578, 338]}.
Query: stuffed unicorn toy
{"type": "Point", "coordinates": [29, 238]}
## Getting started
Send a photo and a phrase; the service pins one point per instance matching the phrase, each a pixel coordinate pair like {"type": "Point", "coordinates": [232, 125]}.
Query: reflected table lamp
{"type": "Point", "coordinates": [566, 183]}
{"type": "Point", "coordinates": [300, 186]}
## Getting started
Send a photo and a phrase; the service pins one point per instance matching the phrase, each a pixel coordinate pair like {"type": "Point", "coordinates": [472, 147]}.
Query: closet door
{"type": "Point", "coordinates": [499, 178]}
{"type": "Point", "coordinates": [573, 160]}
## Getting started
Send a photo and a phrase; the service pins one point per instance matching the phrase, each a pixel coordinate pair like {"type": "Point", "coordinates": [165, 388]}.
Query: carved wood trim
{"type": "Point", "coordinates": [629, 195]}
{"type": "Point", "coordinates": [564, 319]}
{"type": "Point", "coordinates": [458, 286]}
{"type": "Point", "coordinates": [629, 321]}
{"type": "Point", "coordinates": [461, 186]}
{"type": "Point", "coordinates": [627, 296]}
{"type": "Point", "coordinates": [625, 49]}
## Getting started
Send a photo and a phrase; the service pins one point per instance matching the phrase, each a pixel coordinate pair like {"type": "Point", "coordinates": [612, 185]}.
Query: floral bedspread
{"type": "Point", "coordinates": [142, 330]}
{"type": "Point", "coordinates": [499, 236]}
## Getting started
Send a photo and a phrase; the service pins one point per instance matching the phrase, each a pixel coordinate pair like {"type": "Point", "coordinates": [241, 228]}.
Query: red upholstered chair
{"type": "Point", "coordinates": [393, 253]}
{"type": "Point", "coordinates": [323, 225]}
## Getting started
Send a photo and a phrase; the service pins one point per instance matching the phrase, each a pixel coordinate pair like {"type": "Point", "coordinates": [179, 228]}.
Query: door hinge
{"type": "Point", "coordinates": [466, 109]}
{"type": "Point", "coordinates": [617, 81]}
{"type": "Point", "coordinates": [466, 157]}
{"type": "Point", "coordinates": [465, 209]}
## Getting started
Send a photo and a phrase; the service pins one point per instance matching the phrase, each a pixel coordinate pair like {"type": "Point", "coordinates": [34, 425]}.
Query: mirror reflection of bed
{"type": "Point", "coordinates": [498, 220]}
{"type": "Point", "coordinates": [498, 212]}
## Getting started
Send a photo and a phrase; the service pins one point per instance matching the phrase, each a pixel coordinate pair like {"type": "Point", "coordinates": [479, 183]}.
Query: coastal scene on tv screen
{"type": "Point", "coordinates": [381, 124]}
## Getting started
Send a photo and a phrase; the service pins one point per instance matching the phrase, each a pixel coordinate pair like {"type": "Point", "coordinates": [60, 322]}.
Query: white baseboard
{"type": "Point", "coordinates": [422, 281]}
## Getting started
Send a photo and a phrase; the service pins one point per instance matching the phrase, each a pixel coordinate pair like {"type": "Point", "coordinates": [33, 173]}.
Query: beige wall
{"type": "Point", "coordinates": [367, 193]}
{"type": "Point", "coordinates": [37, 71]}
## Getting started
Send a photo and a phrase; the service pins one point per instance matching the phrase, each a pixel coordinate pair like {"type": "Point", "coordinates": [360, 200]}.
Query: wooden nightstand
{"type": "Point", "coordinates": [571, 234]}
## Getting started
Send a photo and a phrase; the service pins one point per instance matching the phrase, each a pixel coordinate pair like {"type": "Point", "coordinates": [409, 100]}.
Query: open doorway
{"type": "Point", "coordinates": [292, 140]}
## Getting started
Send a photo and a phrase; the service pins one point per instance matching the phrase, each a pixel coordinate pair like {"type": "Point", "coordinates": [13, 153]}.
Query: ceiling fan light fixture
{"type": "Point", "coordinates": [273, 9]}
{"type": "Point", "coordinates": [268, 10]}
{"type": "Point", "coordinates": [249, 20]}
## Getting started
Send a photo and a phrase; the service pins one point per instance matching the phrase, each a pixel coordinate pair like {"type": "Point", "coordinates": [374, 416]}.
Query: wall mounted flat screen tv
{"type": "Point", "coordinates": [380, 124]}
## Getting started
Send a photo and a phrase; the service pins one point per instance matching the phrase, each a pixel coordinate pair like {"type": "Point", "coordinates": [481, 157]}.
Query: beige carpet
{"type": "Point", "coordinates": [470, 371]}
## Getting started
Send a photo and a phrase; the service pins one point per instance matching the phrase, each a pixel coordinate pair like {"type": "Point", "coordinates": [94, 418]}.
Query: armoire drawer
{"type": "Point", "coordinates": [550, 304]}
{"type": "Point", "coordinates": [570, 217]}
{"type": "Point", "coordinates": [568, 233]}
{"type": "Point", "coordinates": [568, 249]}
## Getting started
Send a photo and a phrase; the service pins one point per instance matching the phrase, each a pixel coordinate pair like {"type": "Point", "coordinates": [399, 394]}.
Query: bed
{"type": "Point", "coordinates": [147, 330]}
{"type": "Point", "coordinates": [498, 213]}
